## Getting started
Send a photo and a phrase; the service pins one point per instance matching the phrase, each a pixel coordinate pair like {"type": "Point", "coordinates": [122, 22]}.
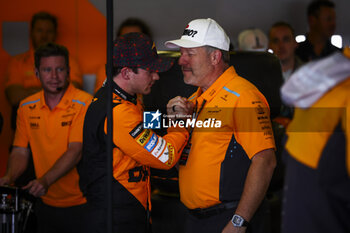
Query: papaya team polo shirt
{"type": "Point", "coordinates": [219, 158]}
{"type": "Point", "coordinates": [20, 71]}
{"type": "Point", "coordinates": [48, 133]}
{"type": "Point", "coordinates": [313, 130]}
{"type": "Point", "coordinates": [136, 149]}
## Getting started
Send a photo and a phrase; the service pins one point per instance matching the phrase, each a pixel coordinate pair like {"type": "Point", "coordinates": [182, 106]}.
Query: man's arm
{"type": "Point", "coordinates": [63, 165]}
{"type": "Point", "coordinates": [255, 187]}
{"type": "Point", "coordinates": [16, 93]}
{"type": "Point", "coordinates": [16, 165]}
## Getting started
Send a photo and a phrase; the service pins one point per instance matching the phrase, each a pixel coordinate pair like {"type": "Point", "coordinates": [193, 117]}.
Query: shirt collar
{"type": "Point", "coordinates": [64, 103]}
{"type": "Point", "coordinates": [211, 92]}
{"type": "Point", "coordinates": [123, 94]}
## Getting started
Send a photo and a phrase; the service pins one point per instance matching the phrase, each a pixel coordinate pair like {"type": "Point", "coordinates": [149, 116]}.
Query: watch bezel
{"type": "Point", "coordinates": [238, 221]}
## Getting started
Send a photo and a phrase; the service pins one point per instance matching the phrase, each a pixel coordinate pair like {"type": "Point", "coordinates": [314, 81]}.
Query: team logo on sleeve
{"type": "Point", "coordinates": [151, 120]}
{"type": "Point", "coordinates": [32, 107]}
{"type": "Point", "coordinates": [164, 157]}
{"type": "Point", "coordinates": [144, 137]}
{"type": "Point", "coordinates": [171, 152]}
{"type": "Point", "coordinates": [151, 143]}
{"type": "Point", "coordinates": [159, 147]}
{"type": "Point", "coordinates": [136, 131]}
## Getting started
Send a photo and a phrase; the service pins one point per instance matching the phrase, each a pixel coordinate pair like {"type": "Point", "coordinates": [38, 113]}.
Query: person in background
{"type": "Point", "coordinates": [50, 124]}
{"type": "Point", "coordinates": [136, 147]}
{"type": "Point", "coordinates": [134, 25]}
{"type": "Point", "coordinates": [224, 172]}
{"type": "Point", "coordinates": [282, 43]}
{"type": "Point", "coordinates": [322, 23]}
{"type": "Point", "coordinates": [21, 80]}
{"type": "Point", "coordinates": [127, 26]}
{"type": "Point", "coordinates": [317, 182]}
{"type": "Point", "coordinates": [252, 40]}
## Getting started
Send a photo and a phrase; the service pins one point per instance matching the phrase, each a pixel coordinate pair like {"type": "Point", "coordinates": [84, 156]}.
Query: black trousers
{"type": "Point", "coordinates": [59, 220]}
{"type": "Point", "coordinates": [312, 204]}
{"type": "Point", "coordinates": [126, 219]}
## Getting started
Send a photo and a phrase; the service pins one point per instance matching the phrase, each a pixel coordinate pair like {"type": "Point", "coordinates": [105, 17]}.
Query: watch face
{"type": "Point", "coordinates": [237, 221]}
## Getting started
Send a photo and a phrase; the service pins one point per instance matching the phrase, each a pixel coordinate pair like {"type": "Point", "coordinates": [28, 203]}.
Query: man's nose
{"type": "Point", "coordinates": [182, 60]}
{"type": "Point", "coordinates": [54, 73]}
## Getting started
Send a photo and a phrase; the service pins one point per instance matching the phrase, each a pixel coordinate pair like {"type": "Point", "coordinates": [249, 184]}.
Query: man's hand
{"type": "Point", "coordinates": [37, 187]}
{"type": "Point", "coordinates": [5, 180]}
{"type": "Point", "coordinates": [232, 229]}
{"type": "Point", "coordinates": [179, 106]}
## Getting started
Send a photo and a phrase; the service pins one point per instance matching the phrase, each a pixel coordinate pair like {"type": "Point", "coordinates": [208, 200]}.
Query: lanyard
{"type": "Point", "coordinates": [187, 149]}
{"type": "Point", "coordinates": [195, 116]}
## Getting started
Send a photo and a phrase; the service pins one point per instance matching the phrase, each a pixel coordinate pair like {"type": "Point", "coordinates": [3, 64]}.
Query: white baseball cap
{"type": "Point", "coordinates": [201, 32]}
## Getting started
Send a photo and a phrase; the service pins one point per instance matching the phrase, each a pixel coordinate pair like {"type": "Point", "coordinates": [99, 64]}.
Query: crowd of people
{"type": "Point", "coordinates": [220, 138]}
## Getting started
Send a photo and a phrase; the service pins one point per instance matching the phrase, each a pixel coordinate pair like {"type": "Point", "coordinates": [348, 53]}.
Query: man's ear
{"type": "Point", "coordinates": [125, 73]}
{"type": "Point", "coordinates": [216, 57]}
{"type": "Point", "coordinates": [36, 72]}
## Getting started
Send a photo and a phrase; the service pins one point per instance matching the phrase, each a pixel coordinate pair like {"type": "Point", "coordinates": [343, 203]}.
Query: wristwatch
{"type": "Point", "coordinates": [238, 221]}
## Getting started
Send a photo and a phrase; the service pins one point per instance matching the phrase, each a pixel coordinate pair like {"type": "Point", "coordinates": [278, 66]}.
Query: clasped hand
{"type": "Point", "coordinates": [179, 107]}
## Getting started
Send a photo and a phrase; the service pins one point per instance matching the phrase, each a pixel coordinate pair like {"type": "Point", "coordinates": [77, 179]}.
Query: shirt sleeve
{"type": "Point", "coordinates": [144, 145]}
{"type": "Point", "coordinates": [76, 131]}
{"type": "Point", "coordinates": [252, 124]}
{"type": "Point", "coordinates": [21, 135]}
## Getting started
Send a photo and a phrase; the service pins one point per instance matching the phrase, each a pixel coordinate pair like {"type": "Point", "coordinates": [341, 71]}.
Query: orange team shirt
{"type": "Point", "coordinates": [136, 146]}
{"type": "Point", "coordinates": [48, 132]}
{"type": "Point", "coordinates": [244, 115]}
{"type": "Point", "coordinates": [100, 78]}
{"type": "Point", "coordinates": [311, 128]}
{"type": "Point", "coordinates": [21, 68]}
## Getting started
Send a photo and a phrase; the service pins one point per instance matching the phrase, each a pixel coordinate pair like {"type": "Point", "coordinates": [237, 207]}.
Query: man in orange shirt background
{"type": "Point", "coordinates": [50, 124]}
{"type": "Point", "coordinates": [20, 78]}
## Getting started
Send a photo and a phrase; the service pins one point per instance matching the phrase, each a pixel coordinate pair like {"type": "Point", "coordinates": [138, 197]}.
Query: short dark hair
{"type": "Point", "coordinates": [135, 22]}
{"type": "Point", "coordinates": [42, 15]}
{"type": "Point", "coordinates": [314, 7]}
{"type": "Point", "coordinates": [49, 50]}
{"type": "Point", "coordinates": [283, 24]}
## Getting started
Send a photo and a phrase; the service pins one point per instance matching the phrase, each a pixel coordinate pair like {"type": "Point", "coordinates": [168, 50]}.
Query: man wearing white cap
{"type": "Point", "coordinates": [225, 171]}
